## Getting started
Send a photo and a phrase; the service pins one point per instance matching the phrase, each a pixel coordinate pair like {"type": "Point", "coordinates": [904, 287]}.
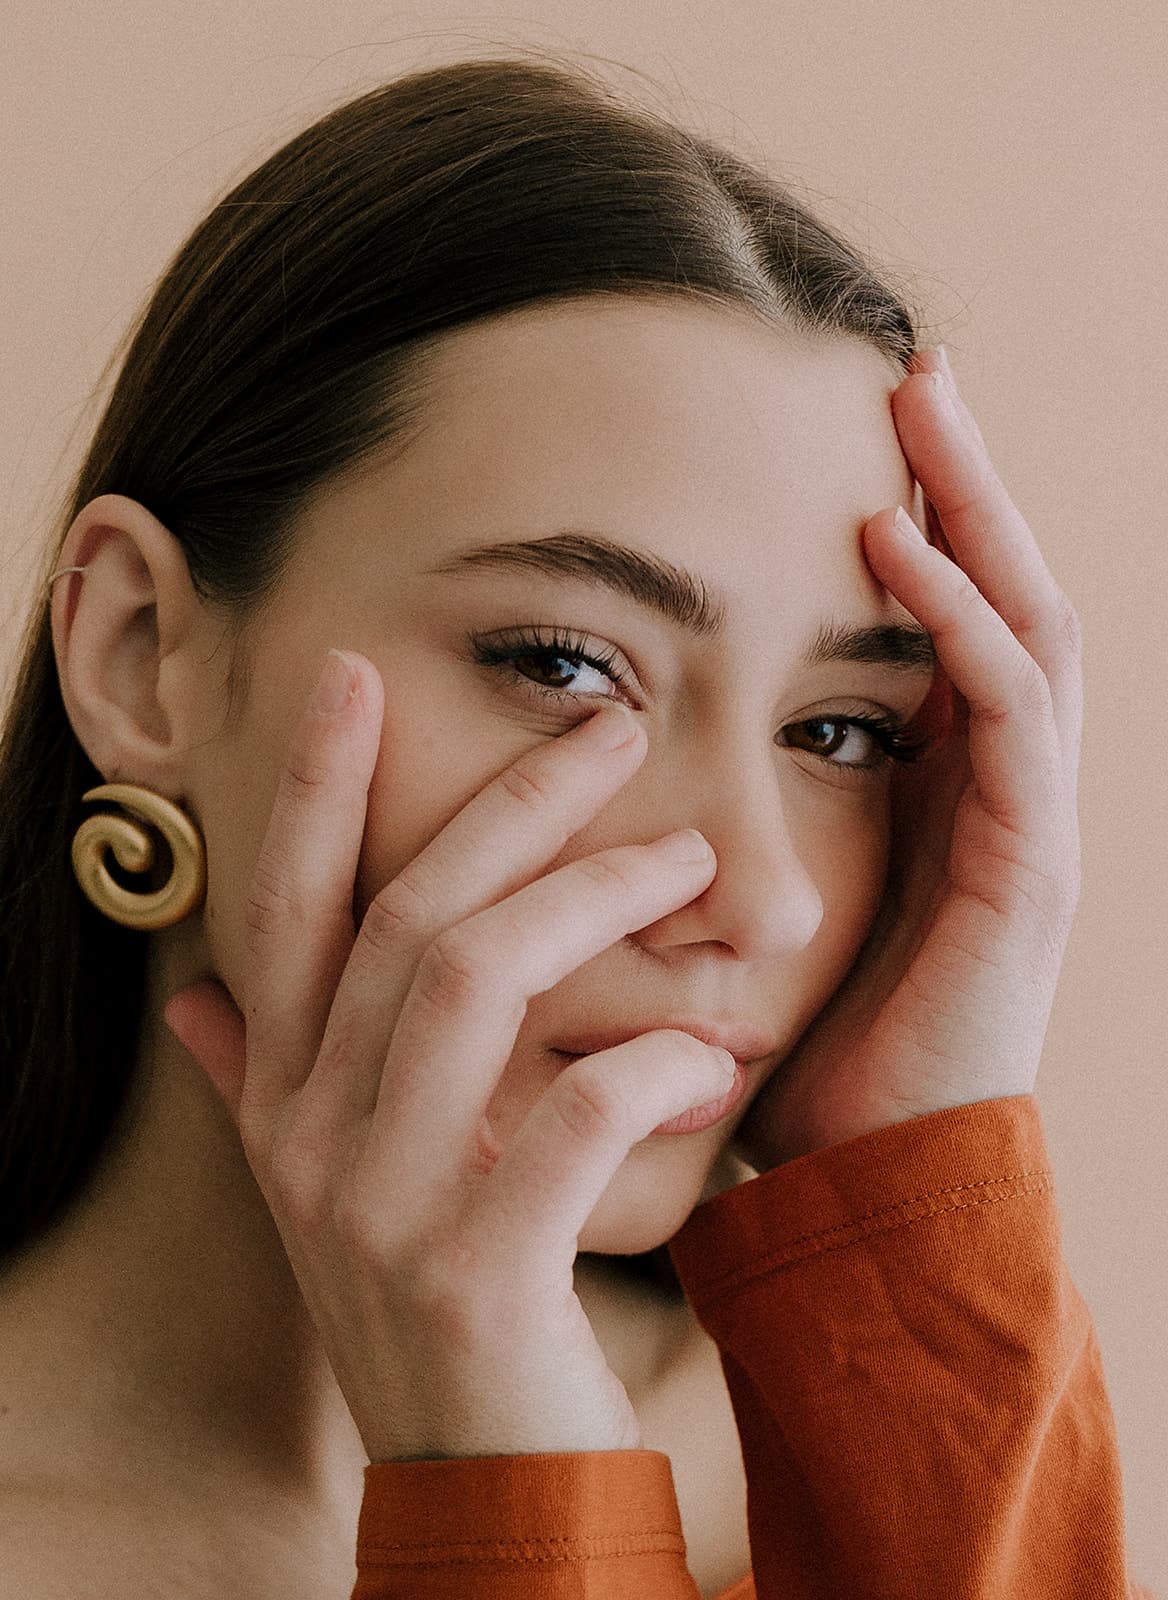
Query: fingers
{"type": "Point", "coordinates": [551, 1176]}
{"type": "Point", "coordinates": [206, 1022]}
{"type": "Point", "coordinates": [299, 909]}
{"type": "Point", "coordinates": [989, 538]}
{"type": "Point", "coordinates": [462, 1014]}
{"type": "Point", "coordinates": [300, 933]}
{"type": "Point", "coordinates": [505, 835]}
{"type": "Point", "coordinates": [1014, 745]}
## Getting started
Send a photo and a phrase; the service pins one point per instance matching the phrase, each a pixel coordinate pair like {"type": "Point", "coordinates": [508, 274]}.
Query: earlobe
{"type": "Point", "coordinates": [113, 625]}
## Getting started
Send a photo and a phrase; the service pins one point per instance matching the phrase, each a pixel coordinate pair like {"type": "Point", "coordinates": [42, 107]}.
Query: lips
{"type": "Point", "coordinates": [745, 1042]}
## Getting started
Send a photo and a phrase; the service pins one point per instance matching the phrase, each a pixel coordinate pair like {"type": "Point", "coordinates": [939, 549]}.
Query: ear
{"type": "Point", "coordinates": [124, 634]}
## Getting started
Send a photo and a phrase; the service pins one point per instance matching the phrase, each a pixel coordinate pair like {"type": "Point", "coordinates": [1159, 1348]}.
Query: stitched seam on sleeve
{"type": "Point", "coordinates": [574, 1547]}
{"type": "Point", "coordinates": [882, 1219]}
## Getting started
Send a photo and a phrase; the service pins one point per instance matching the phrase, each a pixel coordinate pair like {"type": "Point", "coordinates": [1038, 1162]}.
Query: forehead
{"type": "Point", "coordinates": [658, 415]}
{"type": "Point", "coordinates": [733, 446]}
{"type": "Point", "coordinates": [664, 361]}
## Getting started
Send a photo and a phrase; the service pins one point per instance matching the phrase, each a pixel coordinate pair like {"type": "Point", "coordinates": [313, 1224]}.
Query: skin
{"type": "Point", "coordinates": [690, 432]}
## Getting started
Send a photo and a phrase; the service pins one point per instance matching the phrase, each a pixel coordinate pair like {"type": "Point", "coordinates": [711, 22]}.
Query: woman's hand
{"type": "Point", "coordinates": [949, 999]}
{"type": "Point", "coordinates": [437, 1267]}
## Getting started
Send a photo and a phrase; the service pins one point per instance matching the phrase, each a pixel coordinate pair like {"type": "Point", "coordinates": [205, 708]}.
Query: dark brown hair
{"type": "Point", "coordinates": [281, 348]}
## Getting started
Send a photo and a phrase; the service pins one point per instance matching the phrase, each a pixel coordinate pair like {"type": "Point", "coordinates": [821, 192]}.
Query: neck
{"type": "Point", "coordinates": [157, 1331]}
{"type": "Point", "coordinates": [159, 1319]}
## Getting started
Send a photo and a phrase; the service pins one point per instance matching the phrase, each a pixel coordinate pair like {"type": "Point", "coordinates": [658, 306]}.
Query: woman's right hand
{"type": "Point", "coordinates": [437, 1266]}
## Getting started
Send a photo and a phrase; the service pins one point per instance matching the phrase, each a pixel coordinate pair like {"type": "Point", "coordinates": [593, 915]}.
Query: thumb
{"type": "Point", "coordinates": [209, 1025]}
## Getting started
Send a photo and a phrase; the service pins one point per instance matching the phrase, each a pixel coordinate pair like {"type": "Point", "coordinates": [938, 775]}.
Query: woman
{"type": "Point", "coordinates": [574, 1061]}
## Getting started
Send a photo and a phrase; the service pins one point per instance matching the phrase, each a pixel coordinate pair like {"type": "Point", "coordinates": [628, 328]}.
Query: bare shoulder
{"type": "Point", "coordinates": [57, 1544]}
{"type": "Point", "coordinates": [40, 1555]}
{"type": "Point", "coordinates": [88, 1544]}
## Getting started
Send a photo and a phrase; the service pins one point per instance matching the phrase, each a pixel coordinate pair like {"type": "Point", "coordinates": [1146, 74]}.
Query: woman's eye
{"type": "Point", "coordinates": [558, 670]}
{"type": "Point", "coordinates": [885, 738]}
{"type": "Point", "coordinates": [558, 666]}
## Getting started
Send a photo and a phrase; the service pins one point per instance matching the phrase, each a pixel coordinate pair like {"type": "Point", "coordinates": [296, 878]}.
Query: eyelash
{"type": "Point", "coordinates": [889, 732]}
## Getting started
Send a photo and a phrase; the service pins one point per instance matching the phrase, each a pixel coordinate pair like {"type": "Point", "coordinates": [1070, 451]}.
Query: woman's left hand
{"type": "Point", "coordinates": [949, 999]}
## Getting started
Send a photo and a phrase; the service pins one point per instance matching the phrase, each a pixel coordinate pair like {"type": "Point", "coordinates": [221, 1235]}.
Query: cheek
{"type": "Point", "coordinates": [850, 868]}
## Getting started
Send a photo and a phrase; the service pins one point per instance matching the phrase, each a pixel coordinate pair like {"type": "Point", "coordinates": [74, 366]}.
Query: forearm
{"type": "Point", "coordinates": [917, 1382]}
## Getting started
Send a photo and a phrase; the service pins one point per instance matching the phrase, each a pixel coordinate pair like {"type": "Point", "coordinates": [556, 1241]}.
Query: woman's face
{"type": "Point", "coordinates": [691, 435]}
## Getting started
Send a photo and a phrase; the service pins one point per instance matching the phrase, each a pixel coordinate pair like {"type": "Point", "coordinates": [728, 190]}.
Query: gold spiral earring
{"type": "Point", "coordinates": [133, 849]}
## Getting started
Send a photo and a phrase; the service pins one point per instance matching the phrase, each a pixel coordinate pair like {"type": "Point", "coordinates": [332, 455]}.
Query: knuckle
{"type": "Point", "coordinates": [607, 871]}
{"type": "Point", "coordinates": [525, 785]}
{"type": "Point", "coordinates": [271, 902]}
{"type": "Point", "coordinates": [590, 1107]}
{"type": "Point", "coordinates": [304, 777]}
{"type": "Point", "coordinates": [453, 974]}
{"type": "Point", "coordinates": [400, 908]}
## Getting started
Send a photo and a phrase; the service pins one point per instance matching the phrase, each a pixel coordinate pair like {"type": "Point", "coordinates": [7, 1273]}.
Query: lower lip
{"type": "Point", "coordinates": [702, 1117]}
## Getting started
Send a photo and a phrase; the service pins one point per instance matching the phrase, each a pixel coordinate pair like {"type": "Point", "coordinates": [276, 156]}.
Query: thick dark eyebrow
{"type": "Point", "coordinates": [682, 598]}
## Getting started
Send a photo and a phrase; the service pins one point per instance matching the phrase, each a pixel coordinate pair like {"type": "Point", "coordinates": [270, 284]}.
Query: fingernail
{"type": "Point", "coordinates": [904, 526]}
{"type": "Point", "coordinates": [727, 1064]}
{"type": "Point", "coordinates": [337, 685]}
{"type": "Point", "coordinates": [686, 846]}
{"type": "Point", "coordinates": [951, 398]}
{"type": "Point", "coordinates": [612, 728]}
{"type": "Point", "coordinates": [945, 392]}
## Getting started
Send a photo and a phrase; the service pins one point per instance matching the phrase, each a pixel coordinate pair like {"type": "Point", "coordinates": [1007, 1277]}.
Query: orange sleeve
{"type": "Point", "coordinates": [917, 1386]}
{"type": "Point", "coordinates": [593, 1525]}
{"type": "Point", "coordinates": [916, 1380]}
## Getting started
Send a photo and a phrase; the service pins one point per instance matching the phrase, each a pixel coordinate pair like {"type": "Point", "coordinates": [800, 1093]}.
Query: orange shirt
{"type": "Point", "coordinates": [918, 1390]}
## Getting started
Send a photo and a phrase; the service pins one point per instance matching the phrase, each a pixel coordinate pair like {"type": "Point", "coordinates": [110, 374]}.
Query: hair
{"type": "Point", "coordinates": [280, 349]}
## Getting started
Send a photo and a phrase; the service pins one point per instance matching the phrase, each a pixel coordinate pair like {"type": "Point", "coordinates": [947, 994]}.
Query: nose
{"type": "Point", "coordinates": [763, 902]}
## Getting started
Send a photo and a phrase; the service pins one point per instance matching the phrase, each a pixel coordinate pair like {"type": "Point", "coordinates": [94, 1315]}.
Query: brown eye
{"type": "Point", "coordinates": [547, 665]}
{"type": "Point", "coordinates": [884, 738]}
{"type": "Point", "coordinates": [825, 735]}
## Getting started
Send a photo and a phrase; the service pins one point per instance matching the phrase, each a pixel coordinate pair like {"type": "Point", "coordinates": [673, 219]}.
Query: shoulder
{"type": "Point", "coordinates": [39, 1559]}
{"type": "Point", "coordinates": [60, 1542]}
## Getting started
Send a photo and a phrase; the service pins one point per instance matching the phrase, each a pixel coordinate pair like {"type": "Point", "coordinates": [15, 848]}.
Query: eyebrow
{"type": "Point", "coordinates": [681, 597]}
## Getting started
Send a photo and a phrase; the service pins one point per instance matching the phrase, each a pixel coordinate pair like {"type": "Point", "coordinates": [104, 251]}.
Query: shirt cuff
{"type": "Point", "coordinates": [831, 1198]}
{"type": "Point", "coordinates": [521, 1510]}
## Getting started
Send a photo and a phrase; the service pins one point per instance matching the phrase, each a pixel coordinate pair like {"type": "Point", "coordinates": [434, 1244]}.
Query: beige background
{"type": "Point", "coordinates": [1009, 157]}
